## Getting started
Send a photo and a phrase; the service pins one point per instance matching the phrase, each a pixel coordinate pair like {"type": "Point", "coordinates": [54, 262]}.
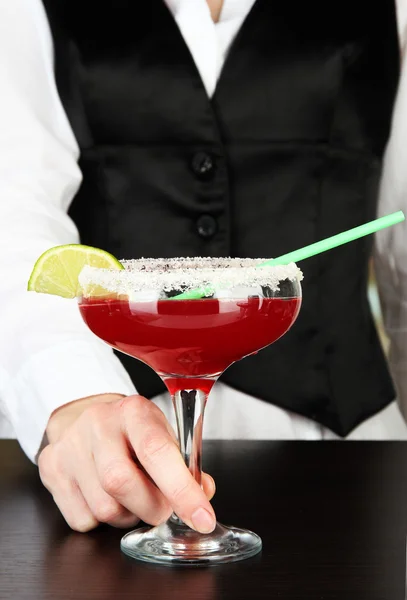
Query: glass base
{"type": "Point", "coordinates": [173, 544]}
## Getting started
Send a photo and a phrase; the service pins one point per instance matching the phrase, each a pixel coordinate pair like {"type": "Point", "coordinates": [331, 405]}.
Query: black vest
{"type": "Point", "coordinates": [286, 153]}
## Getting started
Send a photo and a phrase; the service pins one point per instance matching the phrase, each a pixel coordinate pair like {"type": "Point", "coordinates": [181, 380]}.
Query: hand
{"type": "Point", "coordinates": [114, 459]}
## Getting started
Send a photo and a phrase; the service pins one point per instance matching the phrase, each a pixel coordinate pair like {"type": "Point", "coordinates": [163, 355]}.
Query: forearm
{"type": "Point", "coordinates": [47, 355]}
{"type": "Point", "coordinates": [390, 251]}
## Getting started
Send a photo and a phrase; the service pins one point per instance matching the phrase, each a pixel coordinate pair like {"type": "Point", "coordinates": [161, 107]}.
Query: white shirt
{"type": "Point", "coordinates": [47, 355]}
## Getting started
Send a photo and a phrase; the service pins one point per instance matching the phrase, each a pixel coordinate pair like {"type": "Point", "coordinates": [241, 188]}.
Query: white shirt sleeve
{"type": "Point", "coordinates": [390, 254]}
{"type": "Point", "coordinates": [48, 357]}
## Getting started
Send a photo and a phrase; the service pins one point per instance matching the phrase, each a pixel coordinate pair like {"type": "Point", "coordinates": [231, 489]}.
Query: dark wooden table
{"type": "Point", "coordinates": [332, 515]}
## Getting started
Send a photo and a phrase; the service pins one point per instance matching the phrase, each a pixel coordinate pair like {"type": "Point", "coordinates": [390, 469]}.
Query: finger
{"type": "Point", "coordinates": [65, 491]}
{"type": "Point", "coordinates": [104, 508]}
{"type": "Point", "coordinates": [209, 486]}
{"type": "Point", "coordinates": [159, 455]}
{"type": "Point", "coordinates": [73, 506]}
{"type": "Point", "coordinates": [122, 480]}
{"type": "Point", "coordinates": [125, 522]}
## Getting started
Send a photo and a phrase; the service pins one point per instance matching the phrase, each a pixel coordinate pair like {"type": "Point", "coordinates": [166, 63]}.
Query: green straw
{"type": "Point", "coordinates": [337, 240]}
{"type": "Point", "coordinates": [314, 249]}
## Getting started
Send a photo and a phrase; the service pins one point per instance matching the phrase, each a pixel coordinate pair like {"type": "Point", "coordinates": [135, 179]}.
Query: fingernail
{"type": "Point", "coordinates": [203, 521]}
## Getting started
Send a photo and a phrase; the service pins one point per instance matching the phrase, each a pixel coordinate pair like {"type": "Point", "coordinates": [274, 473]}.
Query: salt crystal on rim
{"type": "Point", "coordinates": [167, 275]}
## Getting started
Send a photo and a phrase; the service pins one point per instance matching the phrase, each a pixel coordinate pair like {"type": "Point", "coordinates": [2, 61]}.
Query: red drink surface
{"type": "Point", "coordinates": [190, 338]}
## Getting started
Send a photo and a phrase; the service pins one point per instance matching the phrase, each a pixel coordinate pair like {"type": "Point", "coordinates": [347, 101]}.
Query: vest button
{"type": "Point", "coordinates": [203, 165]}
{"type": "Point", "coordinates": [206, 226]}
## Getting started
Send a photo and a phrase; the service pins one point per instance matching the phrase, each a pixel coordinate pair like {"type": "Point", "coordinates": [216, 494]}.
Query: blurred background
{"type": "Point", "coordinates": [377, 313]}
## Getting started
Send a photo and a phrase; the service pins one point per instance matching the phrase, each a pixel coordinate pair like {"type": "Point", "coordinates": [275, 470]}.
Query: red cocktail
{"type": "Point", "coordinates": [189, 338]}
{"type": "Point", "coordinates": [189, 343]}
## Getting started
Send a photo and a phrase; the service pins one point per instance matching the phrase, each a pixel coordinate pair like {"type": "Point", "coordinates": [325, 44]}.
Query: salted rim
{"type": "Point", "coordinates": [166, 275]}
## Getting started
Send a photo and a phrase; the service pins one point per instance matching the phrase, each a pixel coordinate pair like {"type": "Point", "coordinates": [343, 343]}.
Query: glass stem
{"type": "Point", "coordinates": [189, 406]}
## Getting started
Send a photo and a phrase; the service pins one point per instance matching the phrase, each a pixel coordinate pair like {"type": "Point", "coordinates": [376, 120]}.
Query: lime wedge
{"type": "Point", "coordinates": [57, 270]}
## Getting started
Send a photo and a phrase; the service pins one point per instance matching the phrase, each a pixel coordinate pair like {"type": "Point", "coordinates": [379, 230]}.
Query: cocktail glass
{"type": "Point", "coordinates": [189, 343]}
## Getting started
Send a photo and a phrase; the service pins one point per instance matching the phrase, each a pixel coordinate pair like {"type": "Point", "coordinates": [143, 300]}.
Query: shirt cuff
{"type": "Point", "coordinates": [56, 377]}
